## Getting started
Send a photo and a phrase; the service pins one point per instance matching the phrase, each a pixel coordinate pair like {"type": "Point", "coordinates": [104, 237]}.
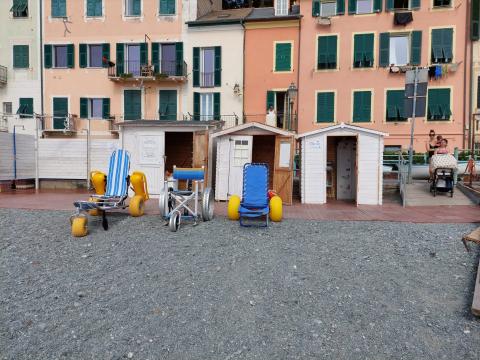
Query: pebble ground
{"type": "Point", "coordinates": [297, 290]}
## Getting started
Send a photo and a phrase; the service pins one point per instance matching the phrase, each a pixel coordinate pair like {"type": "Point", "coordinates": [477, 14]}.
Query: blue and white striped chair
{"type": "Point", "coordinates": [117, 187]}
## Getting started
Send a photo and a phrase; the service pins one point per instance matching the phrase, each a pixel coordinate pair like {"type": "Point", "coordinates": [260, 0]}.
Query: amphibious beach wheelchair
{"type": "Point", "coordinates": [176, 205]}
{"type": "Point", "coordinates": [442, 168]}
{"type": "Point", "coordinates": [111, 192]}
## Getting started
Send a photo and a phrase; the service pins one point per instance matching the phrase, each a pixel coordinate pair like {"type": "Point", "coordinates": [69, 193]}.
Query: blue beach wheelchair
{"type": "Point", "coordinates": [255, 202]}
{"type": "Point", "coordinates": [176, 205]}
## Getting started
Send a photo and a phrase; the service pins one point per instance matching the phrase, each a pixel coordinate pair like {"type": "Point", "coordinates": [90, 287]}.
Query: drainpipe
{"type": "Point", "coordinates": [15, 149]}
{"type": "Point", "coordinates": [242, 22]}
{"type": "Point", "coordinates": [298, 67]}
{"type": "Point", "coordinates": [41, 56]}
{"type": "Point", "coordinates": [469, 142]}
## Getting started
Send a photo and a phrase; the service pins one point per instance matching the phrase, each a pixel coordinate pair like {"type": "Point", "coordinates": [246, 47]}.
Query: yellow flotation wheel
{"type": "Point", "coordinates": [233, 207]}
{"type": "Point", "coordinates": [276, 208]}
{"type": "Point", "coordinates": [137, 206]}
{"type": "Point", "coordinates": [94, 212]}
{"type": "Point", "coordinates": [79, 225]}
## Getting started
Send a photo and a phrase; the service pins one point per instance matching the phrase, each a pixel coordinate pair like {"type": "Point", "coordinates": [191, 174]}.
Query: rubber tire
{"type": "Point", "coordinates": [94, 212]}
{"type": "Point", "coordinates": [207, 205]}
{"type": "Point", "coordinates": [137, 206]}
{"type": "Point", "coordinates": [175, 220]}
{"type": "Point", "coordinates": [276, 209]}
{"type": "Point", "coordinates": [233, 207]}
{"type": "Point", "coordinates": [79, 226]}
{"type": "Point", "coordinates": [163, 203]}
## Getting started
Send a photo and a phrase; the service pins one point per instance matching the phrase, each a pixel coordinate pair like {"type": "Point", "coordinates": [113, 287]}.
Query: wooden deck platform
{"type": "Point", "coordinates": [418, 194]}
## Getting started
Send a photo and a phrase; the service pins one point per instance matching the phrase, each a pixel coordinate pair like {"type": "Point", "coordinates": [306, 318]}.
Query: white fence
{"type": "Point", "coordinates": [25, 159]}
{"type": "Point", "coordinates": [67, 159]}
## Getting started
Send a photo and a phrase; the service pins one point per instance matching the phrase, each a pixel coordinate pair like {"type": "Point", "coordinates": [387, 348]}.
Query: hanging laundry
{"type": "Point", "coordinates": [431, 72]}
{"type": "Point", "coordinates": [403, 18]}
{"type": "Point", "coordinates": [438, 72]}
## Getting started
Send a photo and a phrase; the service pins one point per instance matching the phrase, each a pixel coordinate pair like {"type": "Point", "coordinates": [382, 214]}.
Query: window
{"type": "Point", "coordinates": [325, 107]}
{"type": "Point", "coordinates": [327, 52]}
{"type": "Point", "coordinates": [403, 4]}
{"type": "Point", "coordinates": [167, 7]}
{"type": "Point", "coordinates": [60, 56]}
{"type": "Point", "coordinates": [442, 3]}
{"type": "Point", "coordinates": [132, 105]}
{"type": "Point", "coordinates": [241, 152]}
{"type": "Point", "coordinates": [395, 106]}
{"type": "Point", "coordinates": [19, 8]}
{"type": "Point", "coordinates": [363, 50]}
{"type": "Point", "coordinates": [207, 66]}
{"type": "Point", "coordinates": [97, 108]}
{"type": "Point", "coordinates": [95, 53]}
{"type": "Point", "coordinates": [168, 58]}
{"type": "Point", "coordinates": [206, 106]}
{"type": "Point", "coordinates": [133, 7]}
{"type": "Point", "coordinates": [94, 8]}
{"type": "Point", "coordinates": [438, 105]}
{"type": "Point", "coordinates": [399, 50]}
{"type": "Point", "coordinates": [362, 106]}
{"type": "Point", "coordinates": [59, 8]}
{"type": "Point", "coordinates": [283, 57]}
{"type": "Point", "coordinates": [60, 113]}
{"type": "Point", "coordinates": [442, 45]}
{"type": "Point", "coordinates": [20, 57]}
{"type": "Point", "coordinates": [168, 105]}
{"type": "Point", "coordinates": [7, 108]}
{"type": "Point", "coordinates": [364, 6]}
{"type": "Point", "coordinates": [131, 58]}
{"type": "Point", "coordinates": [25, 109]}
{"type": "Point", "coordinates": [281, 7]}
{"type": "Point", "coordinates": [328, 8]}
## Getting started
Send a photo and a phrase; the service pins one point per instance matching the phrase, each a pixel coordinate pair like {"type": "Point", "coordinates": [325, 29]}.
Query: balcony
{"type": "Point", "coordinates": [228, 120]}
{"type": "Point", "coordinates": [283, 121]}
{"type": "Point", "coordinates": [3, 75]}
{"type": "Point", "coordinates": [129, 71]}
{"type": "Point", "coordinates": [59, 125]}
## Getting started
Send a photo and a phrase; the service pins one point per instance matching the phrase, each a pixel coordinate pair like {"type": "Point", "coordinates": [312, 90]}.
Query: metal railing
{"type": "Point", "coordinates": [207, 79]}
{"type": "Point", "coordinates": [59, 123]}
{"type": "Point", "coordinates": [3, 123]}
{"type": "Point", "coordinates": [291, 125]}
{"type": "Point", "coordinates": [132, 69]}
{"type": "Point", "coordinates": [228, 120]}
{"type": "Point", "coordinates": [3, 74]}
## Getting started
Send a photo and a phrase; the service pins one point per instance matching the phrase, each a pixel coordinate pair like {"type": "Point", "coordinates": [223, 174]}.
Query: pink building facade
{"type": "Point", "coordinates": [353, 55]}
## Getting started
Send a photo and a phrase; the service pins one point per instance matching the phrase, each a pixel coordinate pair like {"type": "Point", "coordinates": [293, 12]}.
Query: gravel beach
{"type": "Point", "coordinates": [297, 290]}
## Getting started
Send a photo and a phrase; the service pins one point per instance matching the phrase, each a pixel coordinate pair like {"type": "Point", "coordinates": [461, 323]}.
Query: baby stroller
{"type": "Point", "coordinates": [442, 168]}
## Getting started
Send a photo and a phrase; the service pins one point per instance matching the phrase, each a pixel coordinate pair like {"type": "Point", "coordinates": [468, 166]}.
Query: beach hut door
{"type": "Point", "coordinates": [283, 170]}
{"type": "Point", "coordinates": [240, 154]}
{"type": "Point", "coordinates": [149, 158]}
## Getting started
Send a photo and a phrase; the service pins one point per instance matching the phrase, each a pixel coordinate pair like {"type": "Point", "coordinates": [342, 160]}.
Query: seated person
{"type": "Point", "coordinates": [443, 148]}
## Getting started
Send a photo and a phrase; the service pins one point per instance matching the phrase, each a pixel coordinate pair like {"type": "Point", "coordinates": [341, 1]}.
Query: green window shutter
{"type": "Point", "coordinates": [70, 56]}
{"type": "Point", "coordinates": [442, 45]}
{"type": "Point", "coordinates": [377, 6]}
{"type": "Point", "coordinates": [475, 20]}
{"type": "Point", "coordinates": [316, 8]}
{"type": "Point", "coordinates": [83, 55]}
{"type": "Point", "coordinates": [439, 108]}
{"type": "Point", "coordinates": [369, 46]}
{"type": "Point", "coordinates": [167, 7]}
{"type": "Point", "coordinates": [168, 105]}
{"type": "Point", "coordinates": [390, 5]}
{"type": "Point", "coordinates": [416, 50]}
{"type": "Point", "coordinates": [47, 56]}
{"type": "Point", "coordinates": [91, 7]}
{"type": "Point", "coordinates": [270, 99]}
{"type": "Point", "coordinates": [326, 107]}
{"type": "Point", "coordinates": [132, 104]}
{"type": "Point", "coordinates": [218, 66]}
{"type": "Point", "coordinates": [156, 57]}
{"type": "Point", "coordinates": [179, 58]}
{"type": "Point", "coordinates": [59, 8]}
{"type": "Point", "coordinates": [196, 67]}
{"type": "Point", "coordinates": [137, 7]}
{"type": "Point", "coordinates": [352, 6]}
{"type": "Point", "coordinates": [26, 106]}
{"type": "Point", "coordinates": [196, 106]}
{"type": "Point", "coordinates": [60, 112]}
{"type": "Point", "coordinates": [84, 108]}
{"type": "Point", "coordinates": [395, 106]}
{"type": "Point", "coordinates": [363, 50]}
{"type": "Point", "coordinates": [143, 53]}
{"type": "Point", "coordinates": [106, 108]}
{"type": "Point", "coordinates": [20, 56]}
{"type": "Point", "coordinates": [340, 7]}
{"type": "Point", "coordinates": [436, 39]}
{"type": "Point", "coordinates": [283, 56]}
{"type": "Point", "coordinates": [414, 4]}
{"type": "Point", "coordinates": [384, 58]}
{"type": "Point", "coordinates": [120, 59]}
{"type": "Point", "coordinates": [362, 104]}
{"type": "Point", "coordinates": [357, 51]}
{"type": "Point", "coordinates": [216, 106]}
{"type": "Point", "coordinates": [447, 41]}
{"type": "Point", "coordinates": [105, 54]}
{"type": "Point", "coordinates": [327, 52]}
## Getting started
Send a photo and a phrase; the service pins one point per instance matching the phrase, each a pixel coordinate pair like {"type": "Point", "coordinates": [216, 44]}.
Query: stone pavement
{"type": "Point", "coordinates": [338, 210]}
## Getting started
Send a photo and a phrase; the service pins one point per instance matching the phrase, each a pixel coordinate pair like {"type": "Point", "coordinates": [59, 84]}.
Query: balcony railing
{"type": "Point", "coordinates": [283, 121]}
{"type": "Point", "coordinates": [163, 70]}
{"type": "Point", "coordinates": [65, 124]}
{"type": "Point", "coordinates": [228, 120]}
{"type": "Point", "coordinates": [3, 75]}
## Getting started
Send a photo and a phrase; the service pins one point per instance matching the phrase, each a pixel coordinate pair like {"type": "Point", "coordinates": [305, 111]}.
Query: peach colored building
{"type": "Point", "coordinates": [353, 57]}
{"type": "Point", "coordinates": [271, 65]}
{"type": "Point", "coordinates": [109, 61]}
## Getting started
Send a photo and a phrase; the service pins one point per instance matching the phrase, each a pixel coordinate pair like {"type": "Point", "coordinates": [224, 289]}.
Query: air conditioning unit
{"type": "Point", "coordinates": [325, 21]}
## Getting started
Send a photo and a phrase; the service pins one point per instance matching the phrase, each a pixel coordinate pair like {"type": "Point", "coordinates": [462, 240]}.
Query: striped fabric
{"type": "Point", "coordinates": [117, 174]}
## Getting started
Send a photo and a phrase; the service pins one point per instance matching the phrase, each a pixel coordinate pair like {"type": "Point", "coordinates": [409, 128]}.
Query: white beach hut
{"type": "Point", "coordinates": [342, 162]}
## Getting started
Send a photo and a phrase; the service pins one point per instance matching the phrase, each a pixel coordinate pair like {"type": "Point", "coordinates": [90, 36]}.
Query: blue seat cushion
{"type": "Point", "coordinates": [253, 211]}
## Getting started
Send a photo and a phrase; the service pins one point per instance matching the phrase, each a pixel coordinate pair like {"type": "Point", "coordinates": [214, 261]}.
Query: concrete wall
{"type": "Point", "coordinates": [23, 83]}
{"type": "Point", "coordinates": [25, 156]}
{"type": "Point", "coordinates": [345, 79]}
